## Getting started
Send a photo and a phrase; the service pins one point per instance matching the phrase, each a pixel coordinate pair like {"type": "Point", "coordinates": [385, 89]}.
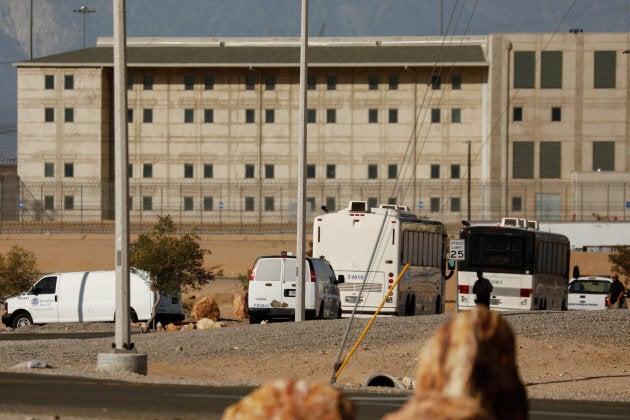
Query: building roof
{"type": "Point", "coordinates": [183, 53]}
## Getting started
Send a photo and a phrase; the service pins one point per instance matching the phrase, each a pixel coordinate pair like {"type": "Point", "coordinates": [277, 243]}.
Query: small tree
{"type": "Point", "coordinates": [172, 260]}
{"type": "Point", "coordinates": [621, 260]}
{"type": "Point", "coordinates": [18, 271]}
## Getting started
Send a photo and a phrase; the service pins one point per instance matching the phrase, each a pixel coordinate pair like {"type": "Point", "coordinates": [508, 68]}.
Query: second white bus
{"type": "Point", "coordinates": [529, 269]}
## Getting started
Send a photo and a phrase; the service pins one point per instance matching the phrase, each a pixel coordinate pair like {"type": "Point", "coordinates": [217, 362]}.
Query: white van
{"type": "Point", "coordinates": [272, 289]}
{"type": "Point", "coordinates": [86, 296]}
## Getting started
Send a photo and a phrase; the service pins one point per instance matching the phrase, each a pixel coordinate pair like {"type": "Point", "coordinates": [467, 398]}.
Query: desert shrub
{"type": "Point", "coordinates": [18, 271]}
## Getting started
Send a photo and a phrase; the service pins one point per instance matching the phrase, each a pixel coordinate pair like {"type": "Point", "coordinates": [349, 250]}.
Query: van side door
{"type": "Point", "coordinates": [44, 300]}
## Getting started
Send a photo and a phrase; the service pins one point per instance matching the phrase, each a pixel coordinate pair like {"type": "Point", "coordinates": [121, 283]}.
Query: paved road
{"type": "Point", "coordinates": [36, 394]}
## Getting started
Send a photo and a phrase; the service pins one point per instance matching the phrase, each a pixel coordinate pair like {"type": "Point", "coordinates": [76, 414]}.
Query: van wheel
{"type": "Point", "coordinates": [22, 320]}
{"type": "Point", "coordinates": [321, 311]}
{"type": "Point", "coordinates": [438, 305]}
{"type": "Point", "coordinates": [253, 320]}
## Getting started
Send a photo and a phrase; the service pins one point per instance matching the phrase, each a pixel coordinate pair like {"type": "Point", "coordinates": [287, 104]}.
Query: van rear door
{"type": "Point", "coordinates": [289, 284]}
{"type": "Point", "coordinates": [266, 287]}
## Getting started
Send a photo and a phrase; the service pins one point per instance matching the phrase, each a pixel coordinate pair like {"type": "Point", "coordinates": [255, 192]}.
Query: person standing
{"type": "Point", "coordinates": [616, 293]}
{"type": "Point", "coordinates": [482, 289]}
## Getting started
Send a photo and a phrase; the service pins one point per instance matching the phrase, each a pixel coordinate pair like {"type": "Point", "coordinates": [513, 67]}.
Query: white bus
{"type": "Point", "coordinates": [529, 269]}
{"type": "Point", "coordinates": [370, 247]}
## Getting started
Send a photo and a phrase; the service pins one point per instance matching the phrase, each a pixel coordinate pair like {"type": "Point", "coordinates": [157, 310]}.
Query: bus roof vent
{"type": "Point", "coordinates": [389, 206]}
{"type": "Point", "coordinates": [532, 224]}
{"type": "Point", "coordinates": [510, 221]}
{"type": "Point", "coordinates": [359, 206]}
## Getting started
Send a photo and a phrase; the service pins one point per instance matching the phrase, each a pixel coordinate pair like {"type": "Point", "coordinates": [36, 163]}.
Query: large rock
{"type": "Point", "coordinates": [290, 399]}
{"type": "Point", "coordinates": [205, 308]}
{"type": "Point", "coordinates": [240, 305]}
{"type": "Point", "coordinates": [468, 371]}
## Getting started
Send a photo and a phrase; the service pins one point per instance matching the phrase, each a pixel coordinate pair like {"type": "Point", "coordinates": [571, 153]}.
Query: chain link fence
{"type": "Point", "coordinates": [265, 207]}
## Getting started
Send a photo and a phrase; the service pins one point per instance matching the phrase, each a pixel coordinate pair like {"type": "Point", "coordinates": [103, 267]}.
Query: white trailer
{"type": "Point", "coordinates": [86, 296]}
{"type": "Point", "coordinates": [370, 247]}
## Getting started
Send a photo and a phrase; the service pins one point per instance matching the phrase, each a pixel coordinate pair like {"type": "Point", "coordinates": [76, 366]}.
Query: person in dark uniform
{"type": "Point", "coordinates": [482, 289]}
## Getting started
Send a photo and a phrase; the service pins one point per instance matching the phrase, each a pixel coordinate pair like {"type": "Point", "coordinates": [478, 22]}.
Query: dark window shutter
{"type": "Point", "coordinates": [551, 70]}
{"type": "Point", "coordinates": [550, 159]}
{"type": "Point", "coordinates": [523, 158]}
{"type": "Point", "coordinates": [604, 155]}
{"type": "Point", "coordinates": [605, 69]}
{"type": "Point", "coordinates": [524, 69]}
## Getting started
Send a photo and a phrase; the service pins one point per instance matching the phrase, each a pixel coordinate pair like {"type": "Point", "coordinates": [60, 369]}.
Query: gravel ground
{"type": "Point", "coordinates": [561, 355]}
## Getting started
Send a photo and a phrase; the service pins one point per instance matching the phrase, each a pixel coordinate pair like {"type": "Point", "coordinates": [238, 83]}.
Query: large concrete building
{"type": "Point", "coordinates": [526, 125]}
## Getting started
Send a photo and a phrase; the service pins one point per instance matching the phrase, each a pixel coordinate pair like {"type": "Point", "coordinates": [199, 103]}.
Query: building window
{"type": "Point", "coordinates": [551, 69]}
{"type": "Point", "coordinates": [129, 115]}
{"type": "Point", "coordinates": [188, 170]}
{"type": "Point", "coordinates": [311, 82]}
{"type": "Point", "coordinates": [147, 82]}
{"type": "Point", "coordinates": [208, 115]}
{"type": "Point", "coordinates": [372, 171]}
{"type": "Point", "coordinates": [604, 156]}
{"type": "Point", "coordinates": [269, 204]}
{"type": "Point", "coordinates": [49, 202]}
{"type": "Point", "coordinates": [310, 203]}
{"type": "Point", "coordinates": [435, 171]}
{"type": "Point", "coordinates": [455, 171]}
{"type": "Point", "coordinates": [373, 82]}
{"type": "Point", "coordinates": [524, 69]}
{"type": "Point", "coordinates": [208, 204]}
{"type": "Point", "coordinates": [331, 171]}
{"type": "Point", "coordinates": [68, 115]}
{"type": "Point", "coordinates": [550, 159]}
{"type": "Point", "coordinates": [311, 116]}
{"type": "Point", "coordinates": [189, 203]}
{"type": "Point", "coordinates": [310, 171]}
{"type": "Point", "coordinates": [250, 82]}
{"type": "Point", "coordinates": [189, 82]}
{"type": "Point", "coordinates": [331, 204]}
{"type": "Point", "coordinates": [208, 82]}
{"type": "Point", "coordinates": [249, 203]}
{"type": "Point", "coordinates": [147, 170]}
{"type": "Point", "coordinates": [456, 82]}
{"type": "Point", "coordinates": [331, 116]}
{"type": "Point", "coordinates": [456, 204]}
{"type": "Point", "coordinates": [373, 115]}
{"type": "Point", "coordinates": [147, 115]}
{"type": "Point", "coordinates": [269, 171]}
{"type": "Point", "coordinates": [49, 114]}
{"type": "Point", "coordinates": [523, 160]}
{"type": "Point", "coordinates": [130, 170]}
{"type": "Point", "coordinates": [249, 116]}
{"type": "Point", "coordinates": [392, 171]}
{"type": "Point", "coordinates": [68, 170]}
{"type": "Point", "coordinates": [456, 115]}
{"type": "Point", "coordinates": [270, 116]}
{"type": "Point", "coordinates": [68, 82]}
{"type": "Point", "coordinates": [393, 116]}
{"type": "Point", "coordinates": [517, 113]}
{"type": "Point", "coordinates": [208, 170]}
{"type": "Point", "coordinates": [436, 82]}
{"type": "Point", "coordinates": [189, 116]}
{"type": "Point", "coordinates": [605, 71]}
{"type": "Point", "coordinates": [435, 204]}
{"type": "Point", "coordinates": [372, 202]}
{"type": "Point", "coordinates": [147, 203]}
{"type": "Point", "coordinates": [393, 82]}
{"type": "Point", "coordinates": [517, 204]}
{"type": "Point", "coordinates": [68, 202]}
{"type": "Point", "coordinates": [435, 115]}
{"type": "Point", "coordinates": [49, 82]}
{"type": "Point", "coordinates": [129, 81]}
{"type": "Point", "coordinates": [49, 169]}
{"type": "Point", "coordinates": [331, 82]}
{"type": "Point", "coordinates": [249, 170]}
{"type": "Point", "coordinates": [556, 113]}
{"type": "Point", "coordinates": [270, 82]}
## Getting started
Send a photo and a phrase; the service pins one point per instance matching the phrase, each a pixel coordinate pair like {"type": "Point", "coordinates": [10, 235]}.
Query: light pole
{"type": "Point", "coordinates": [83, 10]}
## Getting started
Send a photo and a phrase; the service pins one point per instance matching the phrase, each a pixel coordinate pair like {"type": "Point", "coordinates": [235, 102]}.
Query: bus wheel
{"type": "Point", "coordinates": [321, 311]}
{"type": "Point", "coordinates": [438, 305]}
{"type": "Point", "coordinates": [412, 306]}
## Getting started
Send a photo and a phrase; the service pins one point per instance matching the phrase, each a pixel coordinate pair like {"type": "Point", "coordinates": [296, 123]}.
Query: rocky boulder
{"type": "Point", "coordinates": [290, 399]}
{"type": "Point", "coordinates": [205, 308]}
{"type": "Point", "coordinates": [468, 371]}
{"type": "Point", "coordinates": [240, 305]}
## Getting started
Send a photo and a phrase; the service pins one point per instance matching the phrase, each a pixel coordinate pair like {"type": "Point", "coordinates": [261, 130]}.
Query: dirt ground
{"type": "Point", "coordinates": [232, 256]}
